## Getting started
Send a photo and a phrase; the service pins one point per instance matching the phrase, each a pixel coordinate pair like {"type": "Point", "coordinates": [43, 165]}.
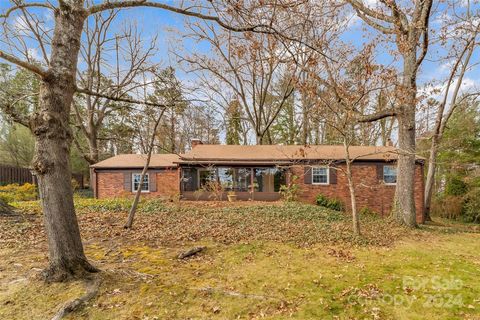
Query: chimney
{"type": "Point", "coordinates": [195, 142]}
{"type": "Point", "coordinates": [389, 142]}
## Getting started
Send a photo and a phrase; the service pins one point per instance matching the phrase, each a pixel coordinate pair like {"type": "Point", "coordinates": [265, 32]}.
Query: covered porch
{"type": "Point", "coordinates": [215, 182]}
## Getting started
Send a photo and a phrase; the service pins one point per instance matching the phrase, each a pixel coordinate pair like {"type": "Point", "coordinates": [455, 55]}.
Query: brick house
{"type": "Point", "coordinates": [257, 172]}
{"type": "Point", "coordinates": [120, 176]}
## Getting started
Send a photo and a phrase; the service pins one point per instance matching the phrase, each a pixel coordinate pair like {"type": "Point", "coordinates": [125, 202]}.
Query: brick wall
{"type": "Point", "coordinates": [370, 192]}
{"type": "Point", "coordinates": [111, 183]}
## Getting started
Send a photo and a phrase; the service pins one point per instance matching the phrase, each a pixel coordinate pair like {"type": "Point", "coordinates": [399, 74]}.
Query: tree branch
{"type": "Point", "coordinates": [260, 28]}
{"type": "Point", "coordinates": [359, 6]}
{"type": "Point", "coordinates": [374, 24]}
{"type": "Point", "coordinates": [26, 65]}
{"type": "Point", "coordinates": [425, 17]}
{"type": "Point", "coordinates": [145, 3]}
{"type": "Point", "coordinates": [120, 99]}
{"type": "Point", "coordinates": [26, 5]}
{"type": "Point", "coordinates": [377, 116]}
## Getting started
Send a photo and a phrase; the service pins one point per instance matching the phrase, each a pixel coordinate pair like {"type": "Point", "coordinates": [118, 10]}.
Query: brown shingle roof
{"type": "Point", "coordinates": [138, 161]}
{"type": "Point", "coordinates": [275, 153]}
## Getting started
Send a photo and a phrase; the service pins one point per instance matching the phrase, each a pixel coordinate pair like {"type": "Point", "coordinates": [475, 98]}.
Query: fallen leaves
{"type": "Point", "coordinates": [341, 254]}
{"type": "Point", "coordinates": [177, 223]}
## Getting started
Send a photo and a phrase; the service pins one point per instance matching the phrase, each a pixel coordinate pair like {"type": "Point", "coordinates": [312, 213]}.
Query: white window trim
{"type": "Point", "coordinates": [328, 175]}
{"type": "Point", "coordinates": [383, 175]}
{"type": "Point", "coordinates": [133, 182]}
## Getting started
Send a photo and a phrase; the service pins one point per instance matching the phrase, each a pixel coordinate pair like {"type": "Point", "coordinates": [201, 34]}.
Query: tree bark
{"type": "Point", "coordinates": [53, 138]}
{"type": "Point", "coordinates": [404, 208]}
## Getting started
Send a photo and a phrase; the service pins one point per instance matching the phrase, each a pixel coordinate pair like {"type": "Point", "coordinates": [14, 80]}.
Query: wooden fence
{"type": "Point", "coordinates": [10, 174]}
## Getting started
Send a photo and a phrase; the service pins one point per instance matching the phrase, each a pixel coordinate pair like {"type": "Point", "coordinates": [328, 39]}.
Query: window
{"type": "Point", "coordinates": [390, 174]}
{"type": "Point", "coordinates": [229, 179]}
{"type": "Point", "coordinates": [320, 175]}
{"type": "Point", "coordinates": [136, 182]}
{"type": "Point", "coordinates": [268, 179]}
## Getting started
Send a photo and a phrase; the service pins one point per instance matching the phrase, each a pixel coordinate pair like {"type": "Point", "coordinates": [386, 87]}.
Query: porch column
{"type": "Point", "coordinates": [252, 187]}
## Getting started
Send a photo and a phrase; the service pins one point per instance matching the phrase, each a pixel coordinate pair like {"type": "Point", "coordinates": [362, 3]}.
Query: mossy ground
{"type": "Point", "coordinates": [254, 277]}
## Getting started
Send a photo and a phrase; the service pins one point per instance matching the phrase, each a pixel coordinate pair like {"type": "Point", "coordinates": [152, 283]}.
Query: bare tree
{"type": "Point", "coordinates": [103, 53]}
{"type": "Point", "coordinates": [352, 83]}
{"type": "Point", "coordinates": [409, 27]}
{"type": "Point", "coordinates": [249, 65]}
{"type": "Point", "coordinates": [151, 146]}
{"type": "Point", "coordinates": [465, 32]}
{"type": "Point", "coordinates": [50, 121]}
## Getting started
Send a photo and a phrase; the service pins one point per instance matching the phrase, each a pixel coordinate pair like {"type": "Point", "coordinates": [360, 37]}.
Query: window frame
{"type": "Point", "coordinates": [328, 175]}
{"type": "Point", "coordinates": [396, 175]}
{"type": "Point", "coordinates": [141, 183]}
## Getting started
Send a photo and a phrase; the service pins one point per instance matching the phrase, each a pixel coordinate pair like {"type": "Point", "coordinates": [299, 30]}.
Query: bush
{"type": "Point", "coordinates": [366, 211]}
{"type": "Point", "coordinates": [15, 192]}
{"type": "Point", "coordinates": [87, 205]}
{"type": "Point", "coordinates": [83, 193]}
{"type": "Point", "coordinates": [449, 207]}
{"type": "Point", "coordinates": [471, 206]}
{"type": "Point", "coordinates": [456, 187]}
{"type": "Point", "coordinates": [291, 191]}
{"type": "Point", "coordinates": [327, 202]}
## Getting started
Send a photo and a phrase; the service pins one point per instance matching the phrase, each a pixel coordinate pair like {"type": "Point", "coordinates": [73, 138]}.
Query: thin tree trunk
{"type": "Point", "coordinates": [133, 209]}
{"type": "Point", "coordinates": [441, 122]}
{"type": "Point", "coordinates": [430, 176]}
{"type": "Point", "coordinates": [351, 188]}
{"type": "Point", "coordinates": [53, 138]}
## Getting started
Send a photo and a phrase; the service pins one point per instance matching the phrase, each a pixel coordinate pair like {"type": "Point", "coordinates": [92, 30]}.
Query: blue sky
{"type": "Point", "coordinates": [168, 26]}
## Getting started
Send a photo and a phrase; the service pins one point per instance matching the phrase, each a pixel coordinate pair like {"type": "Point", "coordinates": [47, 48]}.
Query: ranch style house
{"type": "Point", "coordinates": [257, 172]}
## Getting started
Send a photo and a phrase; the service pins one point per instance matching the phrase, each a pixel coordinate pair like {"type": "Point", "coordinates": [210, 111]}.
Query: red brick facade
{"type": "Point", "coordinates": [370, 191]}
{"type": "Point", "coordinates": [111, 183]}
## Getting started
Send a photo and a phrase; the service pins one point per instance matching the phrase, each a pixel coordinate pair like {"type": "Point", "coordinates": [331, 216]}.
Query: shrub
{"type": "Point", "coordinates": [471, 206]}
{"type": "Point", "coordinates": [366, 211]}
{"type": "Point", "coordinates": [215, 189]}
{"type": "Point", "coordinates": [83, 193]}
{"type": "Point", "coordinates": [449, 207]}
{"type": "Point", "coordinates": [87, 205]}
{"type": "Point", "coordinates": [291, 191]}
{"type": "Point", "coordinates": [456, 187]}
{"type": "Point", "coordinates": [15, 192]}
{"type": "Point", "coordinates": [330, 203]}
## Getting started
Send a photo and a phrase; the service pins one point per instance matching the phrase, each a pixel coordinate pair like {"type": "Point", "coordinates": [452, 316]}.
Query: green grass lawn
{"type": "Point", "coordinates": [430, 273]}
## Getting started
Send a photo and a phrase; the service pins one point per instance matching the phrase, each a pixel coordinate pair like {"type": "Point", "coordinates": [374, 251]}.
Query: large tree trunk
{"type": "Point", "coordinates": [404, 208]}
{"type": "Point", "coordinates": [53, 139]}
{"type": "Point", "coordinates": [405, 201]}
